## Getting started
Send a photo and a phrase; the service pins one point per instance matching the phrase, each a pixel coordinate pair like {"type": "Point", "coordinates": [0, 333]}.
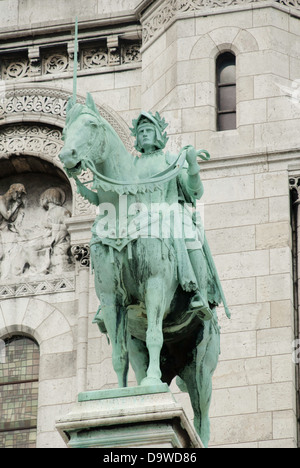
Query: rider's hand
{"type": "Point", "coordinates": [191, 156]}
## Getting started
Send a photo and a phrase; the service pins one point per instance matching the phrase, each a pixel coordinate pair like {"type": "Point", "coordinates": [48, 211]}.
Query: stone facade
{"type": "Point", "coordinates": [161, 56]}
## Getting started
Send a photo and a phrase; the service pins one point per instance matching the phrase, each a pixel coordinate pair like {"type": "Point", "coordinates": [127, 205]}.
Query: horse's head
{"type": "Point", "coordinates": [83, 135]}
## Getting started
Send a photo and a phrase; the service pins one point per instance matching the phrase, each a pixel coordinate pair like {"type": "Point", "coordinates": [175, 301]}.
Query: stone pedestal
{"type": "Point", "coordinates": [132, 417]}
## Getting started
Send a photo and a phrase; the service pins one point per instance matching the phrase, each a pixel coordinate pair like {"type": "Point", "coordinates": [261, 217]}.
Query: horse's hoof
{"type": "Point", "coordinates": [150, 381]}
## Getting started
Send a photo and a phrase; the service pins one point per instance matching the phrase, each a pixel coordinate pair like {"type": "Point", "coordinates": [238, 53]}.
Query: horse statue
{"type": "Point", "coordinates": [155, 278]}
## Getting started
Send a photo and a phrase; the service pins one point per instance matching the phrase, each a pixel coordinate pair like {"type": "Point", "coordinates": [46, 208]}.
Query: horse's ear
{"type": "Point", "coordinates": [90, 103]}
{"type": "Point", "coordinates": [70, 104]}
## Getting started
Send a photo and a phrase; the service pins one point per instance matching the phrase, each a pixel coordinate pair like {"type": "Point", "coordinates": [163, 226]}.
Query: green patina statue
{"type": "Point", "coordinates": [154, 274]}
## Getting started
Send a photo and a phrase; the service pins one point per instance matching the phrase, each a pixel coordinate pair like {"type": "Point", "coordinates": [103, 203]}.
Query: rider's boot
{"type": "Point", "coordinates": [200, 307]}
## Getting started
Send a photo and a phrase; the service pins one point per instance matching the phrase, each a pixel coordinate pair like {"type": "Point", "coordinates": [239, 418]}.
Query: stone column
{"type": "Point", "coordinates": [295, 188]}
{"type": "Point", "coordinates": [295, 196]}
{"type": "Point", "coordinates": [81, 254]}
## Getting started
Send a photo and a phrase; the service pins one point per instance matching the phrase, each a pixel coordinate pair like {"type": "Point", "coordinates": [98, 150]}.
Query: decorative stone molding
{"type": "Point", "coordinates": [54, 63]}
{"type": "Point", "coordinates": [34, 102]}
{"type": "Point", "coordinates": [12, 69]}
{"type": "Point", "coordinates": [48, 105]}
{"type": "Point", "coordinates": [94, 58]}
{"type": "Point", "coordinates": [163, 15]}
{"type": "Point", "coordinates": [36, 288]}
{"type": "Point", "coordinates": [81, 254]}
{"type": "Point", "coordinates": [31, 139]}
{"type": "Point", "coordinates": [58, 60]}
{"type": "Point", "coordinates": [290, 3]}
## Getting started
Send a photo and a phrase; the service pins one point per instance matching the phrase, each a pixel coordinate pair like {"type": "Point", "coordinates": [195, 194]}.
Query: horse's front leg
{"type": "Point", "coordinates": [155, 307]}
{"type": "Point", "coordinates": [115, 319]}
{"type": "Point", "coordinates": [112, 314]}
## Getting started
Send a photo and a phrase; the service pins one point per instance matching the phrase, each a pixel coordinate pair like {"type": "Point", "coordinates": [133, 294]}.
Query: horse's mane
{"type": "Point", "coordinates": [77, 110]}
{"type": "Point", "coordinates": [80, 109]}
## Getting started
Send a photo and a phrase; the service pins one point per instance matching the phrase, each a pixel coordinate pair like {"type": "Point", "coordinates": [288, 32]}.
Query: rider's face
{"type": "Point", "coordinates": [147, 138]}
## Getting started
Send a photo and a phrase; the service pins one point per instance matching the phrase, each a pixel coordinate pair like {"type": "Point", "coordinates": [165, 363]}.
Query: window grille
{"type": "Point", "coordinates": [19, 373]}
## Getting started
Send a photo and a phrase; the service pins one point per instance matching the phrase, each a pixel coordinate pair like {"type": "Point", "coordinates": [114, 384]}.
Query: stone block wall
{"type": "Point", "coordinates": [16, 12]}
{"type": "Point", "coordinates": [255, 379]}
{"type": "Point", "coordinates": [178, 77]}
{"type": "Point", "coordinates": [246, 201]}
{"type": "Point", "coordinates": [246, 205]}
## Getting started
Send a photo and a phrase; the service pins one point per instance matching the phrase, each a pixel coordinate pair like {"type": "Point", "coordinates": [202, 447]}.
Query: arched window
{"type": "Point", "coordinates": [226, 91]}
{"type": "Point", "coordinates": [19, 374]}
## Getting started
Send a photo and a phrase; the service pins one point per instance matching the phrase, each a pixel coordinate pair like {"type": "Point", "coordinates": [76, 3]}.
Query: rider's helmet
{"type": "Point", "coordinates": [159, 124]}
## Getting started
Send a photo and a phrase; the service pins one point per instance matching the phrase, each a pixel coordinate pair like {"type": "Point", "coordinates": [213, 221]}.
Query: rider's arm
{"type": "Point", "coordinates": [7, 213]}
{"type": "Point", "coordinates": [194, 183]}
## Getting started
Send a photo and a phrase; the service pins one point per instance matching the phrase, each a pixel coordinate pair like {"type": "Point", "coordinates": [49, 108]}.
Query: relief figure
{"type": "Point", "coordinates": [35, 249]}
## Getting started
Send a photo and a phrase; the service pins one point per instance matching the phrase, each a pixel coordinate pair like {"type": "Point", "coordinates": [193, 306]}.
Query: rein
{"type": "Point", "coordinates": [159, 178]}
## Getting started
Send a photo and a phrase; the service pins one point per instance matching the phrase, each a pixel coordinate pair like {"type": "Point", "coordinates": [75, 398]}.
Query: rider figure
{"type": "Point", "coordinates": [150, 142]}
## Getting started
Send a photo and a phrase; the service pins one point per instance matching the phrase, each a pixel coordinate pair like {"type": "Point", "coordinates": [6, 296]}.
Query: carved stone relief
{"type": "Point", "coordinates": [35, 257]}
{"type": "Point", "coordinates": [30, 139]}
{"type": "Point", "coordinates": [35, 101]}
{"type": "Point", "coordinates": [81, 254]}
{"type": "Point", "coordinates": [55, 63]}
{"type": "Point", "coordinates": [39, 140]}
{"type": "Point", "coordinates": [114, 54]}
{"type": "Point", "coordinates": [12, 69]}
{"type": "Point", "coordinates": [60, 60]}
{"type": "Point", "coordinates": [34, 236]}
{"type": "Point", "coordinates": [93, 58]}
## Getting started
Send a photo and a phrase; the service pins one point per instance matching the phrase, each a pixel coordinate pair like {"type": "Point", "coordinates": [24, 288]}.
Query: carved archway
{"type": "Point", "coordinates": [42, 326]}
{"type": "Point", "coordinates": [34, 140]}
{"type": "Point", "coordinates": [48, 326]}
{"type": "Point", "coordinates": [30, 103]}
{"type": "Point", "coordinates": [31, 123]}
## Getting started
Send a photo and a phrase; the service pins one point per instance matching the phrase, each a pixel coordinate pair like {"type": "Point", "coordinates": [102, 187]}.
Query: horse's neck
{"type": "Point", "coordinates": [118, 163]}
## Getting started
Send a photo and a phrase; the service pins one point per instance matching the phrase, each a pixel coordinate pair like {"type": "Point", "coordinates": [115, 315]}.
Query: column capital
{"type": "Point", "coordinates": [81, 253]}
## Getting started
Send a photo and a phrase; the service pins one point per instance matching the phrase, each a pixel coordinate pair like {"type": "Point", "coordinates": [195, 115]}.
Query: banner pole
{"type": "Point", "coordinates": [75, 62]}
